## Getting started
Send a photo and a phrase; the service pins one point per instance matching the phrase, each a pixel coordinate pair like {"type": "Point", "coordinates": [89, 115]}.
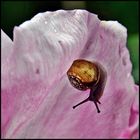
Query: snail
{"type": "Point", "coordinates": [84, 75]}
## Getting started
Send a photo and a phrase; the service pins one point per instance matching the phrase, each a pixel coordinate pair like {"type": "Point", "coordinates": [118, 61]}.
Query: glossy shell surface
{"type": "Point", "coordinates": [82, 74]}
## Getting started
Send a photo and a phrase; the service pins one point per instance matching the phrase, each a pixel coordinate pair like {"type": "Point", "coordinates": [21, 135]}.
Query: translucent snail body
{"type": "Point", "coordinates": [85, 75]}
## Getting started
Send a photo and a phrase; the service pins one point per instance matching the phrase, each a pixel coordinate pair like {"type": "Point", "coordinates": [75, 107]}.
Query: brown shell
{"type": "Point", "coordinates": [82, 73]}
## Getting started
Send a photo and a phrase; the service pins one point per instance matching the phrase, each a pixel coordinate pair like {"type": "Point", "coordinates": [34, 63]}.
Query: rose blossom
{"type": "Point", "coordinates": [37, 97]}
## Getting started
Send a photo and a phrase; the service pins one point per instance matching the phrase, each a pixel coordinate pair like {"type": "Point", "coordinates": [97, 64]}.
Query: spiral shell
{"type": "Point", "coordinates": [83, 74]}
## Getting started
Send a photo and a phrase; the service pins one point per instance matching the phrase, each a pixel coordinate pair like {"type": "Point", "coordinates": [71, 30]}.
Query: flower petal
{"type": "Point", "coordinates": [7, 47]}
{"type": "Point", "coordinates": [132, 130]}
{"type": "Point", "coordinates": [44, 49]}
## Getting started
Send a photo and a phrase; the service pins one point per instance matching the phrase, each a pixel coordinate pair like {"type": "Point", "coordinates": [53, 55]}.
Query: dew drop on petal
{"type": "Point", "coordinates": [46, 22]}
{"type": "Point", "coordinates": [128, 74]}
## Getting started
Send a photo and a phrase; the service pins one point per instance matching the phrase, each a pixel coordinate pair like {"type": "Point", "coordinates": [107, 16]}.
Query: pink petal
{"type": "Point", "coordinates": [37, 100]}
{"type": "Point", "coordinates": [132, 130]}
{"type": "Point", "coordinates": [7, 47]}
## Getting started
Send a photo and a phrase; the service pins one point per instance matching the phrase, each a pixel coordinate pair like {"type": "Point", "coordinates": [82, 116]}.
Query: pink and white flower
{"type": "Point", "coordinates": [37, 97]}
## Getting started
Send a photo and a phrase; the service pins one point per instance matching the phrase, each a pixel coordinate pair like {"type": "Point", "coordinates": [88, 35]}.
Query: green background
{"type": "Point", "coordinates": [13, 13]}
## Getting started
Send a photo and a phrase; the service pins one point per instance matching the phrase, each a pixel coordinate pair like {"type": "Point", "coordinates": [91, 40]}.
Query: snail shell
{"type": "Point", "coordinates": [85, 75]}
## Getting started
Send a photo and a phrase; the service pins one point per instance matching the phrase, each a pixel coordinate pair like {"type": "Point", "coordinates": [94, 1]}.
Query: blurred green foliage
{"type": "Point", "coordinates": [133, 46]}
{"type": "Point", "coordinates": [126, 12]}
{"type": "Point", "coordinates": [13, 13]}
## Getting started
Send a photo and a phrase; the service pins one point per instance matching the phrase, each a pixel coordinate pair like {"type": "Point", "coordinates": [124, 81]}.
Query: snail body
{"type": "Point", "coordinates": [85, 75]}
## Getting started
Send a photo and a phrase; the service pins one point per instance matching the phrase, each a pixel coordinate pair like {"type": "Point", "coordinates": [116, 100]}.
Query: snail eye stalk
{"type": "Point", "coordinates": [95, 102]}
{"type": "Point", "coordinates": [81, 103]}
